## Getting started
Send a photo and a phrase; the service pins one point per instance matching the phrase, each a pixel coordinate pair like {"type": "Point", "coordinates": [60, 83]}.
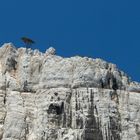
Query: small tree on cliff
{"type": "Point", "coordinates": [28, 42]}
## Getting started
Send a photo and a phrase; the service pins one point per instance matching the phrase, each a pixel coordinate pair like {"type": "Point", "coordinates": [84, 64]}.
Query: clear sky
{"type": "Point", "coordinates": [109, 29]}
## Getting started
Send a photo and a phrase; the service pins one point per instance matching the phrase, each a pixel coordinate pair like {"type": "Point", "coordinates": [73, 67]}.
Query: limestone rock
{"type": "Point", "coordinates": [50, 51]}
{"type": "Point", "coordinates": [47, 97]}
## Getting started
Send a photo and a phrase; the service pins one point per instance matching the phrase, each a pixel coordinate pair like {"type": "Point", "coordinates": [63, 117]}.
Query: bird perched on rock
{"type": "Point", "coordinates": [28, 42]}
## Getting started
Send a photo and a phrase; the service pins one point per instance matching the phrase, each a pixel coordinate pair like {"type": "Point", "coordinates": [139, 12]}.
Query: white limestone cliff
{"type": "Point", "coordinates": [47, 97]}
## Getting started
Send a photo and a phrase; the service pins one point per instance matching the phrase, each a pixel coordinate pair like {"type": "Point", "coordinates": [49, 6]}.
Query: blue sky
{"type": "Point", "coordinates": [109, 29]}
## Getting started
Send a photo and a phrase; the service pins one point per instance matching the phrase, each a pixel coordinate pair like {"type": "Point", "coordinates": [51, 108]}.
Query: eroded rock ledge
{"type": "Point", "coordinates": [47, 97]}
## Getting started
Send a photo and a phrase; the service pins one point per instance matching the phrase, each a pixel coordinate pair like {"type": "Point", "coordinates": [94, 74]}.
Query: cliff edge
{"type": "Point", "coordinates": [47, 97]}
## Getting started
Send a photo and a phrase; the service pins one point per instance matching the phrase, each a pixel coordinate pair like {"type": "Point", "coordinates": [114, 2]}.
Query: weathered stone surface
{"type": "Point", "coordinates": [47, 97]}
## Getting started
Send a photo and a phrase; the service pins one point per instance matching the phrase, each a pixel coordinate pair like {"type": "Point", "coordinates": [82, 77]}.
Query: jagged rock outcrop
{"type": "Point", "coordinates": [46, 97]}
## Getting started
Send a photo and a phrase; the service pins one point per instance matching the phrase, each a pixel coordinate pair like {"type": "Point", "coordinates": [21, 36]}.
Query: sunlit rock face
{"type": "Point", "coordinates": [47, 97]}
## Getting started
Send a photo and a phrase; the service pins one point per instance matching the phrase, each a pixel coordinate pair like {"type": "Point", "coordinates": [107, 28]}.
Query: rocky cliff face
{"type": "Point", "coordinates": [46, 97]}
